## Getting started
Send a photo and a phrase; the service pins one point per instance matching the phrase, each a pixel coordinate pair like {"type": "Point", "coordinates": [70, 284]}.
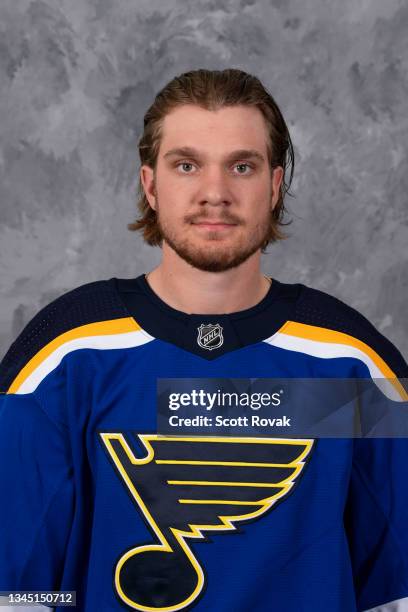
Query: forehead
{"type": "Point", "coordinates": [229, 127]}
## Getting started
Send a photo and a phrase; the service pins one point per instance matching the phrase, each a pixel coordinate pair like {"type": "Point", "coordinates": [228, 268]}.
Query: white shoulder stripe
{"type": "Point", "coordinates": [332, 350]}
{"type": "Point", "coordinates": [324, 350]}
{"type": "Point", "coordinates": [107, 341]}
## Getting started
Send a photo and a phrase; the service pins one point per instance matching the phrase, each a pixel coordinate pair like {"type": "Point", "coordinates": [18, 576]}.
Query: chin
{"type": "Point", "coordinates": [216, 255]}
{"type": "Point", "coordinates": [219, 262]}
{"type": "Point", "coordinates": [214, 266]}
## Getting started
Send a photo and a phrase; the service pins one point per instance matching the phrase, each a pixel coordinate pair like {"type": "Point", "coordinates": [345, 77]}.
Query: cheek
{"type": "Point", "coordinates": [172, 191]}
{"type": "Point", "coordinates": [168, 180]}
{"type": "Point", "coordinates": [170, 211]}
{"type": "Point", "coordinates": [257, 205]}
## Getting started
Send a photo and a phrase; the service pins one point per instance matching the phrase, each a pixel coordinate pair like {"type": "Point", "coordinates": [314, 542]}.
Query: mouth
{"type": "Point", "coordinates": [214, 225]}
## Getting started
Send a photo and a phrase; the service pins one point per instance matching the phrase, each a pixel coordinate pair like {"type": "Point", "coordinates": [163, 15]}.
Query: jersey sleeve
{"type": "Point", "coordinates": [37, 494]}
{"type": "Point", "coordinates": [45, 506]}
{"type": "Point", "coordinates": [36, 473]}
{"type": "Point", "coordinates": [376, 510]}
{"type": "Point", "coordinates": [375, 513]}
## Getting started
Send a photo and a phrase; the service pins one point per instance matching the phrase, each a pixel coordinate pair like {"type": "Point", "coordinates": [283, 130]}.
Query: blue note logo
{"type": "Point", "coordinates": [210, 336]}
{"type": "Point", "coordinates": [185, 489]}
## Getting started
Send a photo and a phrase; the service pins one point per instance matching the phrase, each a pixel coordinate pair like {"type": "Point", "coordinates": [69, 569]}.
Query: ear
{"type": "Point", "coordinates": [147, 180]}
{"type": "Point", "coordinates": [277, 178]}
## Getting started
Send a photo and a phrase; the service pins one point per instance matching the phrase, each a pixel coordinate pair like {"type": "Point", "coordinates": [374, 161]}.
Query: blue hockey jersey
{"type": "Point", "coordinates": [93, 500]}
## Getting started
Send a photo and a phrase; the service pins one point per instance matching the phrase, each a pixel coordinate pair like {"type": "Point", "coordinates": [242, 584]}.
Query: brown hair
{"type": "Point", "coordinates": [214, 89]}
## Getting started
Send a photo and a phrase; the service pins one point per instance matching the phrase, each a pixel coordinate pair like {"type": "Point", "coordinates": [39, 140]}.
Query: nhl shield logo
{"type": "Point", "coordinates": [210, 336]}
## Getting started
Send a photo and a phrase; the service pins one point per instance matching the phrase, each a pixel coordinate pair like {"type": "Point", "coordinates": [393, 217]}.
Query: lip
{"type": "Point", "coordinates": [215, 225]}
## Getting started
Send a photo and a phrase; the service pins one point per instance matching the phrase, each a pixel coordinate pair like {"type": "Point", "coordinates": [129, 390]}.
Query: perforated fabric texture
{"type": "Point", "coordinates": [316, 307]}
{"type": "Point", "coordinates": [91, 302]}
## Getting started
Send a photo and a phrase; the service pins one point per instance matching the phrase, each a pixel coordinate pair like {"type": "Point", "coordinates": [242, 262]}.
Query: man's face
{"type": "Point", "coordinates": [213, 190]}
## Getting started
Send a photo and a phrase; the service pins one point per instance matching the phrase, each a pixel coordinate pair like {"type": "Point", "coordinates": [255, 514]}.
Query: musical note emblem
{"type": "Point", "coordinates": [185, 486]}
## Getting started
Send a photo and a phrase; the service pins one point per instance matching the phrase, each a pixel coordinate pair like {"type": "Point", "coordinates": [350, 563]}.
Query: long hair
{"type": "Point", "coordinates": [211, 90]}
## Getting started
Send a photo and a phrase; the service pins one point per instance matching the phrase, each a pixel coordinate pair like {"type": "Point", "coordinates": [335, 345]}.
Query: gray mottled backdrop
{"type": "Point", "coordinates": [76, 78]}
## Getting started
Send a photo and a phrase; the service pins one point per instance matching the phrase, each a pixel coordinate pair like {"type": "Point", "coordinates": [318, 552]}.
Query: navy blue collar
{"type": "Point", "coordinates": [193, 332]}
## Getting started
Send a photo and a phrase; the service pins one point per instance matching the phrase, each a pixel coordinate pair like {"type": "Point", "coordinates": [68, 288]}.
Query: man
{"type": "Point", "coordinates": [96, 501]}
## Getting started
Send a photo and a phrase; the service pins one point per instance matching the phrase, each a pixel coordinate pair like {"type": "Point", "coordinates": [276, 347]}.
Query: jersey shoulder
{"type": "Point", "coordinates": [331, 319]}
{"type": "Point", "coordinates": [87, 304]}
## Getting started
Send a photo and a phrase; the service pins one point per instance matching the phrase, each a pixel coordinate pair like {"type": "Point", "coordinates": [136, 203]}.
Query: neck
{"type": "Point", "coordinates": [190, 290]}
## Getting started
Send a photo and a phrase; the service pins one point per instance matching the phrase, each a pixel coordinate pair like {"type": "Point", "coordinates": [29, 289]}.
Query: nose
{"type": "Point", "coordinates": [214, 188]}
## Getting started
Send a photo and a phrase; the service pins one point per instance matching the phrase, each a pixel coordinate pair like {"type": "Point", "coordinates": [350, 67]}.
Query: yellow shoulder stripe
{"type": "Point", "coordinates": [322, 334]}
{"type": "Point", "coordinates": [100, 328]}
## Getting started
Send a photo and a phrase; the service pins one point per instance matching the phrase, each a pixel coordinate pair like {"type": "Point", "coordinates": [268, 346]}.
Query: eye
{"type": "Point", "coordinates": [184, 163]}
{"type": "Point", "coordinates": [187, 166]}
{"type": "Point", "coordinates": [241, 165]}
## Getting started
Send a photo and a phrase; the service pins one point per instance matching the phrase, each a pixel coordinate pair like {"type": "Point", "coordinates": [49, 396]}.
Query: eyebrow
{"type": "Point", "coordinates": [191, 152]}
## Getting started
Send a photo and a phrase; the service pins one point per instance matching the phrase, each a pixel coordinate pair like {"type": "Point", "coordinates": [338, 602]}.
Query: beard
{"type": "Point", "coordinates": [215, 254]}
